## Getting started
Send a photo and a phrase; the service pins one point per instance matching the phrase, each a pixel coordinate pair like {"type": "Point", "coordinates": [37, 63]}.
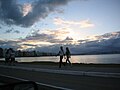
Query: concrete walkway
{"type": "Point", "coordinates": [85, 71]}
{"type": "Point", "coordinates": [65, 78]}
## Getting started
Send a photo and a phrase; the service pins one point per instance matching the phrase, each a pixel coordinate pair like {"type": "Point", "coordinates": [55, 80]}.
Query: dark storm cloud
{"type": "Point", "coordinates": [12, 31]}
{"type": "Point", "coordinates": [49, 37]}
{"type": "Point", "coordinates": [69, 38]}
{"type": "Point", "coordinates": [30, 45]}
{"type": "Point", "coordinates": [16, 31]}
{"type": "Point", "coordinates": [110, 45]}
{"type": "Point", "coordinates": [90, 47]}
{"type": "Point", "coordinates": [42, 37]}
{"type": "Point", "coordinates": [9, 44]}
{"type": "Point", "coordinates": [8, 31]}
{"type": "Point", "coordinates": [11, 11]}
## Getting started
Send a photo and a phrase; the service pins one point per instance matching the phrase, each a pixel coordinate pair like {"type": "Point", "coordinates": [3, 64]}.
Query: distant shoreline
{"type": "Point", "coordinates": [74, 55]}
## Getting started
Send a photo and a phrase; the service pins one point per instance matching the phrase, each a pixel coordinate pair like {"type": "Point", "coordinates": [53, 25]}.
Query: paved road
{"type": "Point", "coordinates": [62, 80]}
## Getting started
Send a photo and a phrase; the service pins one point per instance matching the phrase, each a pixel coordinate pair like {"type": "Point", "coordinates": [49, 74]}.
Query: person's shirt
{"type": "Point", "coordinates": [7, 55]}
{"type": "Point", "coordinates": [68, 53]}
{"type": "Point", "coordinates": [10, 51]}
{"type": "Point", "coordinates": [12, 55]}
{"type": "Point", "coordinates": [61, 53]}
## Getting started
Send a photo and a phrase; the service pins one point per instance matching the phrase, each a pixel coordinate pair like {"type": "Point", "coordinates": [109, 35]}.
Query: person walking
{"type": "Point", "coordinates": [68, 56]}
{"type": "Point", "coordinates": [61, 53]}
{"type": "Point", "coordinates": [7, 57]}
{"type": "Point", "coordinates": [12, 56]}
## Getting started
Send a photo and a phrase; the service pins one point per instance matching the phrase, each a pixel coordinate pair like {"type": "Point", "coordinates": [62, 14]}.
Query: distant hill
{"type": "Point", "coordinates": [108, 43]}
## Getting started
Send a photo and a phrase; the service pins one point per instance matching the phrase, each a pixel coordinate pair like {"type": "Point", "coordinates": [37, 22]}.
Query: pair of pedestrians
{"type": "Point", "coordinates": [65, 55]}
{"type": "Point", "coordinates": [10, 56]}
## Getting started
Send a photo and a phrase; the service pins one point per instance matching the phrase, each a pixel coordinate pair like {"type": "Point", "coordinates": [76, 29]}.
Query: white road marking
{"type": "Point", "coordinates": [48, 85]}
{"type": "Point", "coordinates": [100, 74]}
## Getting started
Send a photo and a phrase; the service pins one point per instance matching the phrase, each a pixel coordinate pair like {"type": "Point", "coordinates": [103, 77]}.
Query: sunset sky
{"type": "Point", "coordinates": [37, 23]}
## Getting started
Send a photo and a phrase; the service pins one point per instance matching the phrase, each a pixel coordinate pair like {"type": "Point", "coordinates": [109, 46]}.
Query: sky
{"type": "Point", "coordinates": [36, 23]}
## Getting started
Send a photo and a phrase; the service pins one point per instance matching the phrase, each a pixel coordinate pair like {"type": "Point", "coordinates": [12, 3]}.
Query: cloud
{"type": "Point", "coordinates": [16, 31]}
{"type": "Point", "coordinates": [51, 36]}
{"type": "Point", "coordinates": [10, 44]}
{"type": "Point", "coordinates": [12, 31]}
{"type": "Point", "coordinates": [86, 24]}
{"type": "Point", "coordinates": [27, 8]}
{"type": "Point", "coordinates": [69, 38]}
{"type": "Point", "coordinates": [42, 42]}
{"type": "Point", "coordinates": [61, 11]}
{"type": "Point", "coordinates": [8, 31]}
{"type": "Point", "coordinates": [47, 37]}
{"type": "Point", "coordinates": [40, 37]}
{"type": "Point", "coordinates": [30, 45]}
{"type": "Point", "coordinates": [106, 36]}
{"type": "Point", "coordinates": [82, 24]}
{"type": "Point", "coordinates": [27, 14]}
{"type": "Point", "coordinates": [59, 33]}
{"type": "Point", "coordinates": [10, 11]}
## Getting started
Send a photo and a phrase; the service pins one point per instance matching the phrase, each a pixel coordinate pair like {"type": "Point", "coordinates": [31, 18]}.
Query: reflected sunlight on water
{"type": "Point", "coordinates": [108, 58]}
{"type": "Point", "coordinates": [105, 59]}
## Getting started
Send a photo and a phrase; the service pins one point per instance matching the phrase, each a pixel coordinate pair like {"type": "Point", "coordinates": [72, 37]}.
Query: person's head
{"type": "Point", "coordinates": [67, 48]}
{"type": "Point", "coordinates": [11, 49]}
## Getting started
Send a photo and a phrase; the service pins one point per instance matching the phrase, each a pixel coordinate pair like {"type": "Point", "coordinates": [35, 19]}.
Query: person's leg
{"type": "Point", "coordinates": [6, 60]}
{"type": "Point", "coordinates": [66, 60]}
{"type": "Point", "coordinates": [13, 61]}
{"type": "Point", "coordinates": [9, 61]}
{"type": "Point", "coordinates": [63, 63]}
{"type": "Point", "coordinates": [60, 62]}
{"type": "Point", "coordinates": [69, 61]}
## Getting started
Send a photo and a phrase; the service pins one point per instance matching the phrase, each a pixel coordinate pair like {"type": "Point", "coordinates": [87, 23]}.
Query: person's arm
{"type": "Point", "coordinates": [69, 54]}
{"type": "Point", "coordinates": [64, 54]}
{"type": "Point", "coordinates": [58, 53]}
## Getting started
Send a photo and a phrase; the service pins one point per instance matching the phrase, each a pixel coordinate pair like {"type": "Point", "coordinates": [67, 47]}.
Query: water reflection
{"type": "Point", "coordinates": [108, 58]}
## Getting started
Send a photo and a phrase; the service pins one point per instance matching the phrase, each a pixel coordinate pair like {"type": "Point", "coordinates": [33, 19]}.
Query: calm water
{"type": "Point", "coordinates": [108, 58]}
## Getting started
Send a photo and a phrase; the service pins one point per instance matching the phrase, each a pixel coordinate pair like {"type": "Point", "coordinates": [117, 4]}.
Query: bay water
{"type": "Point", "coordinates": [98, 59]}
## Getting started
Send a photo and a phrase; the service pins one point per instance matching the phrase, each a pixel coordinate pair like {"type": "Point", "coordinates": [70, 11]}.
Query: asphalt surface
{"type": "Point", "coordinates": [63, 80]}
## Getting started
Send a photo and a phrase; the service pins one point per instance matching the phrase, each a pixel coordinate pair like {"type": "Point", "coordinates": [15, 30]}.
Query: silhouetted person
{"type": "Point", "coordinates": [7, 57]}
{"type": "Point", "coordinates": [68, 55]}
{"type": "Point", "coordinates": [61, 53]}
{"type": "Point", "coordinates": [12, 56]}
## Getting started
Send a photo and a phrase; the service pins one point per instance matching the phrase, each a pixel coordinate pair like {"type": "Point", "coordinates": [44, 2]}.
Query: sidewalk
{"type": "Point", "coordinates": [69, 70]}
